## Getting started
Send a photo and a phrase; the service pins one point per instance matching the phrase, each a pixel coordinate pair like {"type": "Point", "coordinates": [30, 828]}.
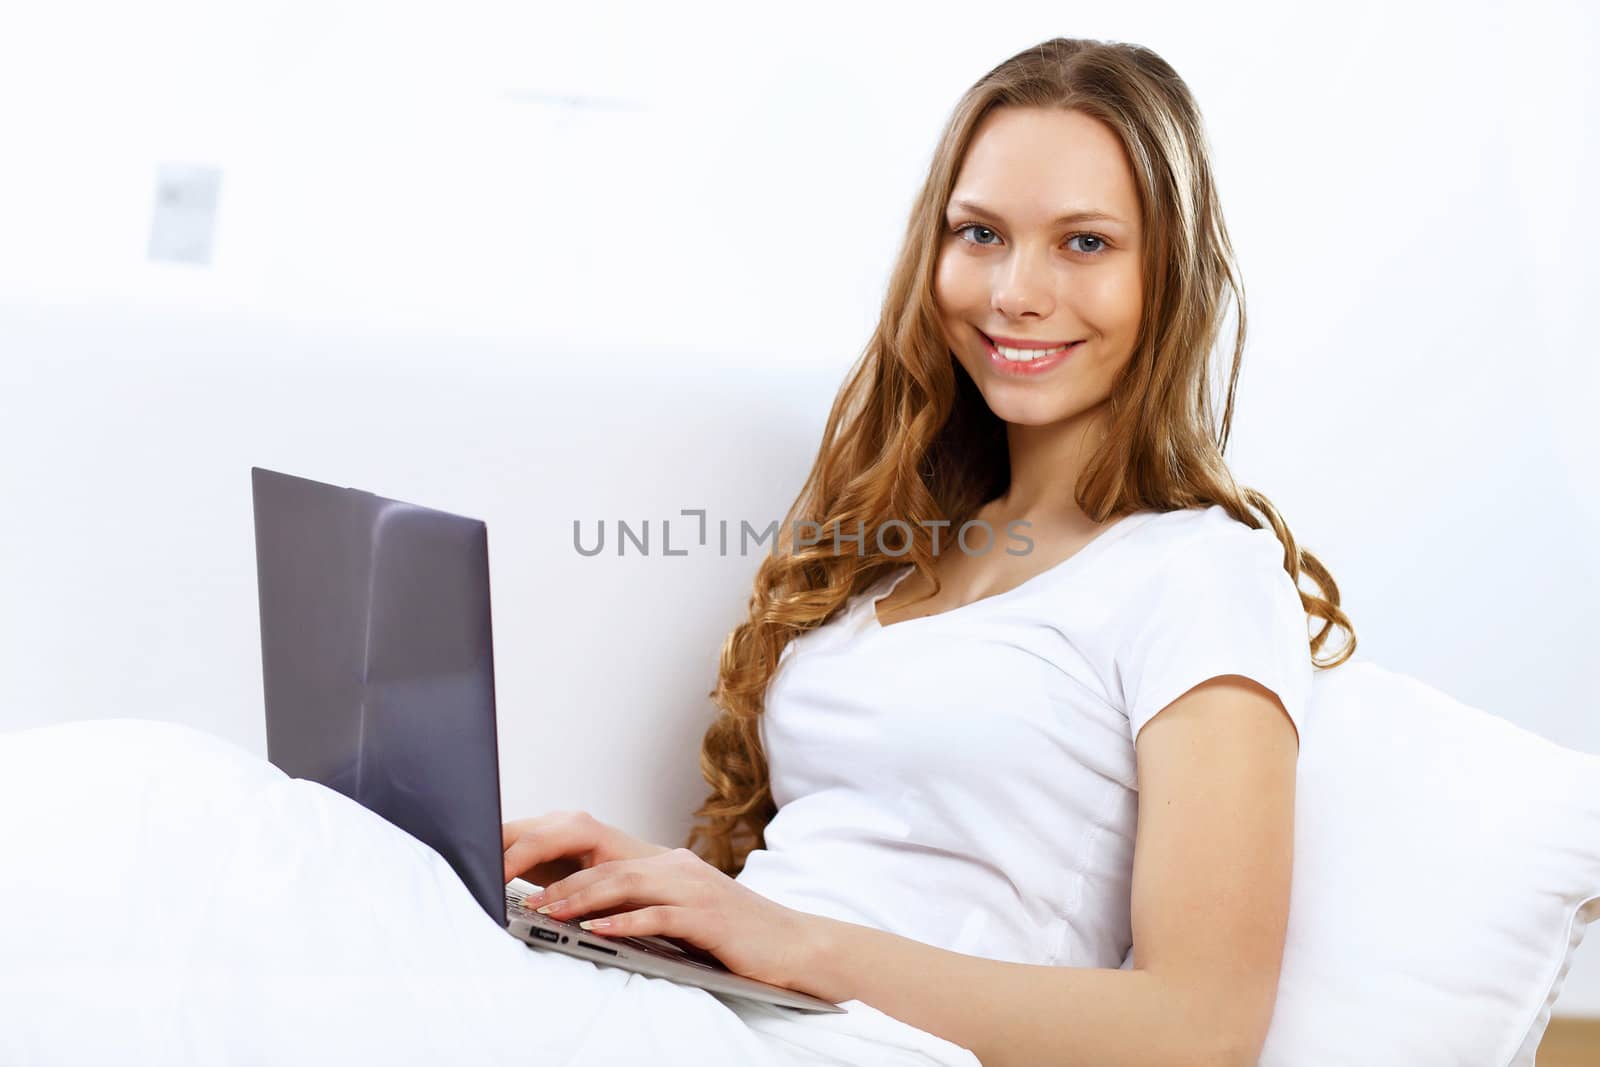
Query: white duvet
{"type": "Point", "coordinates": [168, 898]}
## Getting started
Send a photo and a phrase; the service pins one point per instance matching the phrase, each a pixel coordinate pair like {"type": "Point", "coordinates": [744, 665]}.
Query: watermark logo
{"type": "Point", "coordinates": [975, 537]}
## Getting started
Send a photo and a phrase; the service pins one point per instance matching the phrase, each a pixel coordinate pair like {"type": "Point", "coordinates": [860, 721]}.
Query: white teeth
{"type": "Point", "coordinates": [1028, 355]}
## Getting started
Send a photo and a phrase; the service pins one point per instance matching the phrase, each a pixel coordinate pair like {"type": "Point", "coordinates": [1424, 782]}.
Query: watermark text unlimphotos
{"type": "Point", "coordinates": [975, 537]}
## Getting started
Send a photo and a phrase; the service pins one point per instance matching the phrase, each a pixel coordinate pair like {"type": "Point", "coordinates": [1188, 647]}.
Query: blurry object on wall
{"type": "Point", "coordinates": [185, 213]}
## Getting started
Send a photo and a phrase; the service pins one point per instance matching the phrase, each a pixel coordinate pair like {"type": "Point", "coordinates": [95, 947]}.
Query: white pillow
{"type": "Point", "coordinates": [1446, 864]}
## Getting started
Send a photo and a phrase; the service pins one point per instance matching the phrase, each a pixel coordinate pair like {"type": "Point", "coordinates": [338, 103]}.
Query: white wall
{"type": "Point", "coordinates": [538, 263]}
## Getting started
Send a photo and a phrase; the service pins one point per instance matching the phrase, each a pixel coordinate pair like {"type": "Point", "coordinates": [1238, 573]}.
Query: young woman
{"type": "Point", "coordinates": [1032, 795]}
{"type": "Point", "coordinates": [1005, 759]}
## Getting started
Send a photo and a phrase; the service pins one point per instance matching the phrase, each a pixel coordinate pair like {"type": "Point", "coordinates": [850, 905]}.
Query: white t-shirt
{"type": "Point", "coordinates": [968, 779]}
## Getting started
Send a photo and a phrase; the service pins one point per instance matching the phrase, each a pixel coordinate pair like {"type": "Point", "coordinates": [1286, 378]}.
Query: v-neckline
{"type": "Point", "coordinates": [1095, 543]}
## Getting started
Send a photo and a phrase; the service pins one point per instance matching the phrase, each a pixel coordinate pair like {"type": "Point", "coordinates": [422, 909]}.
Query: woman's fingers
{"type": "Point", "coordinates": [510, 831]}
{"type": "Point", "coordinates": [618, 886]}
{"type": "Point", "coordinates": [544, 849]}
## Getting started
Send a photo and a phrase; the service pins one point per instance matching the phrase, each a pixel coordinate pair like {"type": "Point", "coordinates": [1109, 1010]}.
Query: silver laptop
{"type": "Point", "coordinates": [377, 661]}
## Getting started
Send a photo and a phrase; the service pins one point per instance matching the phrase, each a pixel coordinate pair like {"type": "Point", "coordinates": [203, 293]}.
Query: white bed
{"type": "Point", "coordinates": [170, 899]}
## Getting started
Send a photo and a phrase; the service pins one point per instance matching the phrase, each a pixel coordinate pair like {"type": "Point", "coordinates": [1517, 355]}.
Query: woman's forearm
{"type": "Point", "coordinates": [1018, 1014]}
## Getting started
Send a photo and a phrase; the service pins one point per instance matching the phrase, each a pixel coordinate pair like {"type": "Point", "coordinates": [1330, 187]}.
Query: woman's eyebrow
{"type": "Point", "coordinates": [1081, 215]}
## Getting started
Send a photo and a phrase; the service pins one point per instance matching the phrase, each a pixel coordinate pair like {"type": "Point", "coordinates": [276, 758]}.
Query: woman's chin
{"type": "Point", "coordinates": [1027, 411]}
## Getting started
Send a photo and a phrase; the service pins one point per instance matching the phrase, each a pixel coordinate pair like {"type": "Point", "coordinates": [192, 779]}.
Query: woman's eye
{"type": "Point", "coordinates": [972, 226]}
{"type": "Point", "coordinates": [1098, 248]}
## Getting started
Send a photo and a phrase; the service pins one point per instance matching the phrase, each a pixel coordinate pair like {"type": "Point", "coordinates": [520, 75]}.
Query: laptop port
{"type": "Point", "coordinates": [598, 948]}
{"type": "Point", "coordinates": [545, 935]}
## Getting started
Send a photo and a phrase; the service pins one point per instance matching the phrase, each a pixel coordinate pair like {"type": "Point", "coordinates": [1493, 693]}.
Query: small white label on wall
{"type": "Point", "coordinates": [185, 213]}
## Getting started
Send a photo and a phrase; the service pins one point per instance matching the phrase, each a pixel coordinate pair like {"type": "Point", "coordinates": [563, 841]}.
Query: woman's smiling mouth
{"type": "Point", "coordinates": [1034, 359]}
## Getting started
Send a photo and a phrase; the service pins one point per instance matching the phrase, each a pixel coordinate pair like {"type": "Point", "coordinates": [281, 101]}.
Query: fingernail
{"type": "Point", "coordinates": [595, 924]}
{"type": "Point", "coordinates": [548, 908]}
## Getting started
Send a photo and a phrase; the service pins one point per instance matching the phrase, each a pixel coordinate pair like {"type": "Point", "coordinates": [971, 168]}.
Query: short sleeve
{"type": "Point", "coordinates": [1218, 603]}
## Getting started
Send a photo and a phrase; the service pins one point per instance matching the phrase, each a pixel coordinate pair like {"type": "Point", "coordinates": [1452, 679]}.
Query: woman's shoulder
{"type": "Point", "coordinates": [1204, 543]}
{"type": "Point", "coordinates": [1199, 527]}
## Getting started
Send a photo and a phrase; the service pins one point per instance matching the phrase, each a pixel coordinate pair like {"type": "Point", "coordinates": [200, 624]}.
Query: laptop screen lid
{"type": "Point", "coordinates": [377, 662]}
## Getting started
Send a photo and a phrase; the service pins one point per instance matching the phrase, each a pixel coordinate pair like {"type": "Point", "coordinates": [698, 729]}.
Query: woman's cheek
{"type": "Point", "coordinates": [954, 283]}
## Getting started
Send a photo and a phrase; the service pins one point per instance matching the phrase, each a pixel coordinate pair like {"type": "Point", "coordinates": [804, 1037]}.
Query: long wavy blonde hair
{"type": "Point", "coordinates": [910, 437]}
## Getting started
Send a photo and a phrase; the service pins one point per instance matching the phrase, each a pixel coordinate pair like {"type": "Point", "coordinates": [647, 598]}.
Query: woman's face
{"type": "Point", "coordinates": [1019, 271]}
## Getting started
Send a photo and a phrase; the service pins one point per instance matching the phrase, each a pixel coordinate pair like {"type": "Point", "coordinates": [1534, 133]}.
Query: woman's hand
{"type": "Point", "coordinates": [678, 895]}
{"type": "Point", "coordinates": [548, 847]}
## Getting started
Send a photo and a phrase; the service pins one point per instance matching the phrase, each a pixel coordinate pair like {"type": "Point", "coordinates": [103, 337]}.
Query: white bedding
{"type": "Point", "coordinates": [168, 898]}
